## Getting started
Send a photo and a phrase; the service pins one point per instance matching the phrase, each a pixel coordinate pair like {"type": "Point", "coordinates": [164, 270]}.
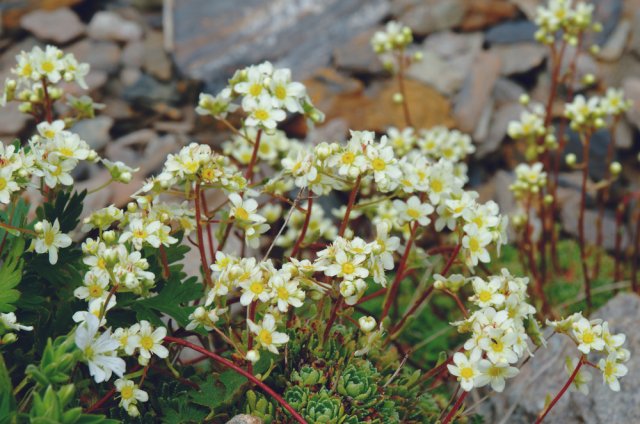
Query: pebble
{"type": "Point", "coordinates": [634, 43]}
{"type": "Point", "coordinates": [12, 121]}
{"type": "Point", "coordinates": [102, 55]}
{"type": "Point", "coordinates": [60, 25]}
{"type": "Point", "coordinates": [154, 59]}
{"type": "Point", "coordinates": [426, 17]}
{"type": "Point", "coordinates": [357, 56]}
{"type": "Point", "coordinates": [512, 32]}
{"type": "Point", "coordinates": [438, 73]}
{"type": "Point", "coordinates": [112, 27]}
{"type": "Point", "coordinates": [614, 47]}
{"type": "Point", "coordinates": [631, 87]}
{"type": "Point", "coordinates": [498, 128]}
{"type": "Point", "coordinates": [94, 131]}
{"type": "Point", "coordinates": [483, 13]}
{"type": "Point", "coordinates": [520, 58]}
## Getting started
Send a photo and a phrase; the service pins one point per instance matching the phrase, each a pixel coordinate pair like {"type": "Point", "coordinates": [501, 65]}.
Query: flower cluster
{"type": "Point", "coordinates": [265, 94]}
{"type": "Point", "coordinates": [594, 336]}
{"type": "Point", "coordinates": [530, 179]}
{"type": "Point", "coordinates": [563, 16]}
{"type": "Point", "coordinates": [498, 337]}
{"type": "Point", "coordinates": [395, 37]}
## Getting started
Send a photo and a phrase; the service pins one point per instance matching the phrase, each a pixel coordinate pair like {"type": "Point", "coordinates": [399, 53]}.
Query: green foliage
{"type": "Point", "coordinates": [324, 408]}
{"type": "Point", "coordinates": [51, 407]}
{"type": "Point", "coordinates": [259, 406]}
{"type": "Point", "coordinates": [58, 358]}
{"type": "Point", "coordinates": [218, 390]}
{"type": "Point", "coordinates": [10, 276]}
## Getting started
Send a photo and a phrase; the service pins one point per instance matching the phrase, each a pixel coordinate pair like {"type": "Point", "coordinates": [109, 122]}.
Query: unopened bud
{"type": "Point", "coordinates": [524, 99]}
{"type": "Point", "coordinates": [367, 324]}
{"type": "Point", "coordinates": [253, 356]}
{"type": "Point", "coordinates": [615, 168]}
{"type": "Point", "coordinates": [588, 79]}
{"type": "Point", "coordinates": [398, 98]}
{"type": "Point", "coordinates": [548, 199]}
{"type": "Point", "coordinates": [571, 159]}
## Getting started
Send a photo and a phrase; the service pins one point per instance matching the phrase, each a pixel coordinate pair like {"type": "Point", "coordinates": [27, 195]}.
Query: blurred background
{"type": "Point", "coordinates": [150, 59]}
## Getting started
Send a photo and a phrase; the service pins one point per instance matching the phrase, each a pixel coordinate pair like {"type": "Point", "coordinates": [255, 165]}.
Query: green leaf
{"type": "Point", "coordinates": [10, 276]}
{"type": "Point", "coordinates": [171, 300]}
{"type": "Point", "coordinates": [219, 389]}
{"type": "Point", "coordinates": [66, 209]}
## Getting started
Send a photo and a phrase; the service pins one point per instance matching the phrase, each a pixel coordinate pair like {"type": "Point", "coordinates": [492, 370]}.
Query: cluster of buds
{"type": "Point", "coordinates": [395, 37]}
{"type": "Point", "coordinates": [562, 16]}
{"type": "Point", "coordinates": [532, 130]}
{"type": "Point", "coordinates": [530, 179]}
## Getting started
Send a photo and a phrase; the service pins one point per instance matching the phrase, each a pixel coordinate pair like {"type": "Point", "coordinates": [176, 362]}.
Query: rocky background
{"type": "Point", "coordinates": [150, 59]}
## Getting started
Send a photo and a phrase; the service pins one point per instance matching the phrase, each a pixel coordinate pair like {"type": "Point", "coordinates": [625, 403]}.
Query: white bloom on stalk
{"type": "Point", "coordinates": [611, 370]}
{"type": "Point", "coordinates": [465, 368]}
{"type": "Point", "coordinates": [50, 239]}
{"type": "Point", "coordinates": [149, 341]}
{"type": "Point", "coordinates": [494, 374]}
{"type": "Point", "coordinates": [414, 210]}
{"type": "Point", "coordinates": [262, 113]}
{"type": "Point", "coordinates": [99, 350]}
{"type": "Point", "coordinates": [130, 395]}
{"type": "Point", "coordinates": [266, 334]}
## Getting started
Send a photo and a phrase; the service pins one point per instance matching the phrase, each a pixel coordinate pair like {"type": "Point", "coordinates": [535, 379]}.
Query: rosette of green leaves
{"type": "Point", "coordinates": [308, 376]}
{"type": "Point", "coordinates": [297, 397]}
{"type": "Point", "coordinates": [359, 381]}
{"type": "Point", "coordinates": [58, 358]}
{"type": "Point", "coordinates": [51, 407]}
{"type": "Point", "coordinates": [259, 406]}
{"type": "Point", "coordinates": [323, 408]}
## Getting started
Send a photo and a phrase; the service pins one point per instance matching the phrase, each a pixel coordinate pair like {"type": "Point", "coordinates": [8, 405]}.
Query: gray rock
{"type": "Point", "coordinates": [476, 91]}
{"type": "Point", "coordinates": [498, 128]}
{"type": "Point", "coordinates": [438, 73]}
{"type": "Point", "coordinates": [112, 27]}
{"type": "Point", "coordinates": [634, 44]}
{"type": "Point", "coordinates": [154, 59]}
{"type": "Point", "coordinates": [425, 17]}
{"type": "Point", "coordinates": [507, 91]}
{"type": "Point", "coordinates": [512, 32]}
{"type": "Point", "coordinates": [213, 38]}
{"type": "Point", "coordinates": [585, 64]}
{"type": "Point", "coordinates": [545, 374]}
{"type": "Point", "coordinates": [101, 55]}
{"type": "Point", "coordinates": [528, 7]}
{"type": "Point", "coordinates": [133, 54]}
{"type": "Point", "coordinates": [450, 45]}
{"type": "Point", "coordinates": [631, 87]}
{"type": "Point", "coordinates": [481, 131]}
{"type": "Point", "coordinates": [94, 131]}
{"type": "Point", "coordinates": [608, 13]}
{"type": "Point", "coordinates": [614, 47]}
{"type": "Point", "coordinates": [244, 419]}
{"type": "Point", "coordinates": [521, 57]}
{"type": "Point", "coordinates": [357, 55]}
{"type": "Point", "coordinates": [147, 91]}
{"type": "Point", "coordinates": [12, 121]}
{"type": "Point", "coordinates": [60, 25]}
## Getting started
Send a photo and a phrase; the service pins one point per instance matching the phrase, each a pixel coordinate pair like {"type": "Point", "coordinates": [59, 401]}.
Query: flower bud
{"type": "Point", "coordinates": [524, 99]}
{"type": "Point", "coordinates": [253, 356]}
{"type": "Point", "coordinates": [367, 324]}
{"type": "Point", "coordinates": [397, 98]}
{"type": "Point", "coordinates": [109, 236]}
{"type": "Point", "coordinates": [548, 199]}
{"type": "Point", "coordinates": [132, 207]}
{"type": "Point", "coordinates": [571, 159]}
{"type": "Point", "coordinates": [9, 338]}
{"type": "Point", "coordinates": [615, 168]}
{"type": "Point", "coordinates": [589, 79]}
{"type": "Point", "coordinates": [594, 49]}
{"type": "Point", "coordinates": [418, 56]}
{"type": "Point", "coordinates": [38, 227]}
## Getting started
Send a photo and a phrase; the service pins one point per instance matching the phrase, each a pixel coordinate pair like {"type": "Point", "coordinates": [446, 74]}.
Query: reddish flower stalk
{"type": "Point", "coordinates": [242, 372]}
{"type": "Point", "coordinates": [203, 256]}
{"type": "Point", "coordinates": [165, 263]}
{"type": "Point", "coordinates": [617, 254]}
{"type": "Point", "coordinates": [101, 402]}
{"type": "Point", "coordinates": [555, 400]}
{"type": "Point", "coordinates": [405, 104]}
{"type": "Point", "coordinates": [48, 107]}
{"type": "Point", "coordinates": [455, 408]}
{"type": "Point", "coordinates": [252, 316]}
{"type": "Point", "coordinates": [581, 237]}
{"type": "Point", "coordinates": [347, 213]}
{"type": "Point", "coordinates": [635, 258]}
{"type": "Point", "coordinates": [254, 157]}
{"type": "Point", "coordinates": [305, 227]}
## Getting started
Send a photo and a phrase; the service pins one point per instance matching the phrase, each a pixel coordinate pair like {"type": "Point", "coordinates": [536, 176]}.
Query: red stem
{"type": "Point", "coordinates": [47, 101]}
{"type": "Point", "coordinates": [101, 402]}
{"type": "Point", "coordinates": [405, 104]}
{"type": "Point", "coordinates": [254, 157]}
{"type": "Point", "coordinates": [305, 226]}
{"type": "Point", "coordinates": [203, 256]}
{"type": "Point", "coordinates": [455, 408]}
{"type": "Point", "coordinates": [240, 371]}
{"type": "Point", "coordinates": [581, 235]}
{"type": "Point", "coordinates": [562, 392]}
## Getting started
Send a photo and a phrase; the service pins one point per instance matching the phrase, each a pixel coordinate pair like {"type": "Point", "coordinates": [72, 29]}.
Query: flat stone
{"type": "Point", "coordinates": [498, 128]}
{"type": "Point", "coordinates": [147, 91]}
{"type": "Point", "coordinates": [481, 131]}
{"type": "Point", "coordinates": [12, 11]}
{"type": "Point", "coordinates": [112, 27]}
{"type": "Point", "coordinates": [545, 374]}
{"type": "Point", "coordinates": [631, 87]}
{"type": "Point", "coordinates": [520, 58]}
{"type": "Point", "coordinates": [608, 13]}
{"type": "Point", "coordinates": [244, 419]}
{"type": "Point", "coordinates": [154, 59]}
{"type": "Point", "coordinates": [438, 73]}
{"type": "Point", "coordinates": [12, 121]}
{"type": "Point", "coordinates": [101, 55]}
{"type": "Point", "coordinates": [476, 91]}
{"type": "Point", "coordinates": [484, 13]}
{"type": "Point", "coordinates": [357, 56]}
{"type": "Point", "coordinates": [634, 44]}
{"type": "Point", "coordinates": [426, 17]}
{"type": "Point", "coordinates": [449, 45]}
{"type": "Point", "coordinates": [507, 91]}
{"type": "Point", "coordinates": [512, 32]}
{"type": "Point", "coordinates": [94, 131]}
{"type": "Point", "coordinates": [214, 38]}
{"type": "Point", "coordinates": [133, 54]}
{"type": "Point", "coordinates": [59, 25]}
{"type": "Point", "coordinates": [614, 47]}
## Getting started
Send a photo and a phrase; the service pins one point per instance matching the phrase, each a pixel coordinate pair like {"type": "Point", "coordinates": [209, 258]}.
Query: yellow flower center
{"type": "Point", "coordinates": [49, 237]}
{"type": "Point", "coordinates": [127, 392]}
{"type": "Point", "coordinates": [436, 185]}
{"type": "Point", "coordinates": [588, 337]}
{"type": "Point", "coordinates": [466, 372]}
{"type": "Point", "coordinates": [102, 264]}
{"type": "Point", "coordinates": [348, 268]}
{"type": "Point", "coordinates": [413, 213]}
{"type": "Point", "coordinates": [3, 183]}
{"type": "Point", "coordinates": [265, 337]}
{"type": "Point", "coordinates": [191, 167]}
{"type": "Point", "coordinates": [497, 346]}
{"type": "Point", "coordinates": [283, 293]}
{"type": "Point", "coordinates": [89, 353]}
{"type": "Point", "coordinates": [208, 174]}
{"type": "Point", "coordinates": [484, 296]}
{"type": "Point", "coordinates": [378, 164]}
{"type": "Point", "coordinates": [348, 158]}
{"type": "Point", "coordinates": [261, 114]}
{"type": "Point", "coordinates": [255, 89]}
{"type": "Point", "coordinates": [27, 70]}
{"type": "Point", "coordinates": [241, 213]}
{"type": "Point", "coordinates": [474, 244]}
{"type": "Point", "coordinates": [141, 234]}
{"type": "Point", "coordinates": [49, 133]}
{"type": "Point", "coordinates": [146, 342]}
{"type": "Point", "coordinates": [256, 287]}
{"type": "Point", "coordinates": [608, 369]}
{"type": "Point", "coordinates": [280, 92]}
{"type": "Point", "coordinates": [95, 290]}
{"type": "Point", "coordinates": [494, 372]}
{"type": "Point", "coordinates": [56, 172]}
{"type": "Point", "coordinates": [65, 151]}
{"type": "Point", "coordinates": [47, 66]}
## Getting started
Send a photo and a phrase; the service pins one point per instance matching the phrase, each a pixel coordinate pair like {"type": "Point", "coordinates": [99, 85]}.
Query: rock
{"type": "Point", "coordinates": [146, 91]}
{"type": "Point", "coordinates": [507, 91]}
{"type": "Point", "coordinates": [244, 419]}
{"type": "Point", "coordinates": [481, 131]}
{"type": "Point", "coordinates": [374, 109]}
{"type": "Point", "coordinates": [624, 135]}
{"type": "Point", "coordinates": [544, 374]}
{"type": "Point", "coordinates": [425, 17]}
{"type": "Point", "coordinates": [502, 195]}
{"type": "Point", "coordinates": [12, 11]}
{"type": "Point", "coordinates": [520, 58]}
{"type": "Point", "coordinates": [483, 13]}
{"type": "Point", "coordinates": [101, 55]}
{"type": "Point", "coordinates": [585, 64]}
{"type": "Point", "coordinates": [357, 56]}
{"type": "Point", "coordinates": [450, 45]}
{"type": "Point", "coordinates": [213, 38]}
{"type": "Point", "coordinates": [94, 131]}
{"type": "Point", "coordinates": [614, 47]}
{"type": "Point", "coordinates": [498, 128]}
{"type": "Point", "coordinates": [133, 54]}
{"type": "Point", "coordinates": [438, 73]}
{"type": "Point", "coordinates": [469, 103]}
{"type": "Point", "coordinates": [112, 27]}
{"type": "Point", "coordinates": [608, 13]}
{"type": "Point", "coordinates": [154, 59]}
{"type": "Point", "coordinates": [512, 32]}
{"type": "Point", "coordinates": [60, 25]}
{"type": "Point", "coordinates": [12, 121]}
{"type": "Point", "coordinates": [117, 108]}
{"type": "Point", "coordinates": [631, 87]}
{"type": "Point", "coordinates": [528, 7]}
{"type": "Point", "coordinates": [8, 58]}
{"type": "Point", "coordinates": [634, 44]}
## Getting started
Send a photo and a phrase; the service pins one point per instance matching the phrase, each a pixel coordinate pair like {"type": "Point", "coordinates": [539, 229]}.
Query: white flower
{"type": "Point", "coordinates": [286, 292]}
{"type": "Point", "coordinates": [10, 321]}
{"type": "Point", "coordinates": [244, 210]}
{"type": "Point", "coordinates": [474, 242]}
{"type": "Point", "coordinates": [7, 185]}
{"type": "Point", "coordinates": [262, 113]}
{"type": "Point", "coordinates": [588, 336]}
{"type": "Point", "coordinates": [50, 130]}
{"type": "Point", "coordinates": [94, 286]}
{"type": "Point", "coordinates": [465, 368]}
{"type": "Point", "coordinates": [254, 289]}
{"type": "Point", "coordinates": [414, 210]}
{"type": "Point", "coordinates": [99, 352]}
{"type": "Point", "coordinates": [367, 323]}
{"type": "Point", "coordinates": [149, 341]}
{"type": "Point", "coordinates": [205, 318]}
{"type": "Point", "coordinates": [140, 232]}
{"type": "Point", "coordinates": [582, 379]}
{"type": "Point", "coordinates": [50, 239]}
{"type": "Point", "coordinates": [383, 163]}
{"type": "Point", "coordinates": [285, 92]}
{"type": "Point", "coordinates": [611, 370]}
{"type": "Point", "coordinates": [48, 62]}
{"type": "Point", "coordinates": [123, 336]}
{"type": "Point", "coordinates": [57, 170]}
{"type": "Point", "coordinates": [347, 267]}
{"type": "Point", "coordinates": [266, 334]}
{"type": "Point", "coordinates": [487, 293]}
{"type": "Point", "coordinates": [130, 395]}
{"type": "Point", "coordinates": [495, 374]}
